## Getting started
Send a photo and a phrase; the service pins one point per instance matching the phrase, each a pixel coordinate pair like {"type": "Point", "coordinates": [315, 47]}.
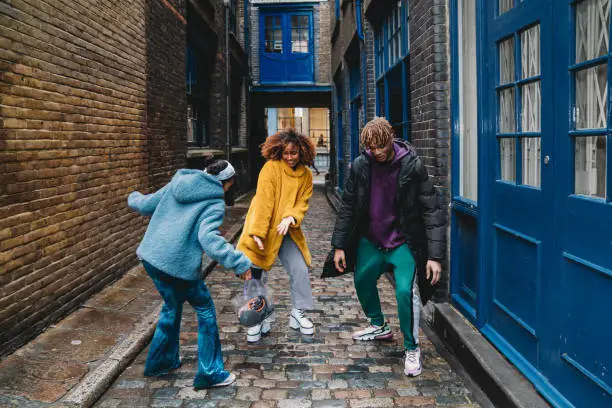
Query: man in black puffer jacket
{"type": "Point", "coordinates": [390, 216]}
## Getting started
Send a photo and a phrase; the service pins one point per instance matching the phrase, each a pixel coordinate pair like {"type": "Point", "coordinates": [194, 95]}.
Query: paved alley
{"type": "Point", "coordinates": [287, 369]}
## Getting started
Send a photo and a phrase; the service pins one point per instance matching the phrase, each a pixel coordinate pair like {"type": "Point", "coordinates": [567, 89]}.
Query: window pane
{"type": "Point", "coordinates": [530, 52]}
{"type": "Point", "coordinates": [531, 107]}
{"type": "Point", "coordinates": [304, 22]}
{"type": "Point", "coordinates": [507, 124]}
{"type": "Point", "coordinates": [506, 61]}
{"type": "Point", "coordinates": [505, 5]}
{"type": "Point", "coordinates": [192, 124]}
{"type": "Point", "coordinates": [468, 99]}
{"type": "Point", "coordinates": [269, 22]}
{"type": "Point", "coordinates": [507, 152]}
{"type": "Point", "coordinates": [531, 161]}
{"type": "Point", "coordinates": [590, 166]}
{"type": "Point", "coordinates": [591, 97]}
{"type": "Point", "coordinates": [592, 24]}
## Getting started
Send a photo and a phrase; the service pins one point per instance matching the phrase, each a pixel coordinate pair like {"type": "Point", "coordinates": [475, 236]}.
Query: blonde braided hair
{"type": "Point", "coordinates": [377, 132]}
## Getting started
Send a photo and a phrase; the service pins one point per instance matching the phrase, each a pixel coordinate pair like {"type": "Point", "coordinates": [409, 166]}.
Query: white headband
{"type": "Point", "coordinates": [225, 174]}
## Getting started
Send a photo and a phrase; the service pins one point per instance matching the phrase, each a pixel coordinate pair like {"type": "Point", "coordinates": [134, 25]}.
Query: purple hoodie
{"type": "Point", "coordinates": [384, 230]}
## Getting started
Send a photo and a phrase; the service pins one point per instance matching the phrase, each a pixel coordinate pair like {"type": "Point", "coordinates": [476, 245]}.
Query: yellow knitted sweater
{"type": "Point", "coordinates": [281, 192]}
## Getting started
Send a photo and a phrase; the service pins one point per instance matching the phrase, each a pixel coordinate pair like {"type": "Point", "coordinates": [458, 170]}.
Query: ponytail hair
{"type": "Point", "coordinates": [222, 170]}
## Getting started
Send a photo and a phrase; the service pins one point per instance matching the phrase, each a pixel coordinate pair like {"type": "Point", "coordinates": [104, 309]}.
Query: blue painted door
{"type": "Point", "coordinates": [286, 47]}
{"type": "Point", "coordinates": [581, 365]}
{"type": "Point", "coordinates": [550, 268]}
{"type": "Point", "coordinates": [521, 84]}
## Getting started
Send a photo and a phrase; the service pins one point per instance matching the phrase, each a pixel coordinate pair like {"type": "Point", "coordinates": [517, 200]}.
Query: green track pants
{"type": "Point", "coordinates": [372, 262]}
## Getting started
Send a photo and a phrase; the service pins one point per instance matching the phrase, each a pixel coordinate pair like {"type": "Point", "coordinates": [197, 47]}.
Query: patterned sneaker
{"type": "Point", "coordinates": [412, 365]}
{"type": "Point", "coordinates": [374, 332]}
{"type": "Point", "coordinates": [297, 320]}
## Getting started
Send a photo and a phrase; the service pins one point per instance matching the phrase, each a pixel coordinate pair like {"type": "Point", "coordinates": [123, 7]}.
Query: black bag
{"type": "Point", "coordinates": [329, 267]}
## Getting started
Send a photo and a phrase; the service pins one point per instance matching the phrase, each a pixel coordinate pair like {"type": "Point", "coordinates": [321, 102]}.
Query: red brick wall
{"type": "Point", "coordinates": [92, 107]}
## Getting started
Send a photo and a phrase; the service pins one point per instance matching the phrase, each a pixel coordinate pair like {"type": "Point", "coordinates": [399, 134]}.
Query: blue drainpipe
{"type": "Point", "coordinates": [360, 35]}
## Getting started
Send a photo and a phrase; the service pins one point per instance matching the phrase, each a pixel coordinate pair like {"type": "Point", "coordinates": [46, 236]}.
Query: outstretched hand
{"type": "Point", "coordinates": [284, 225]}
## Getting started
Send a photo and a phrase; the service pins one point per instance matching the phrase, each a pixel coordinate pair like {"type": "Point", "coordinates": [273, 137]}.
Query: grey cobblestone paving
{"type": "Point", "coordinates": [289, 370]}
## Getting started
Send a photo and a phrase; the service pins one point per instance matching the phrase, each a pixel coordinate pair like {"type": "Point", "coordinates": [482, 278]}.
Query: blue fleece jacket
{"type": "Point", "coordinates": [185, 218]}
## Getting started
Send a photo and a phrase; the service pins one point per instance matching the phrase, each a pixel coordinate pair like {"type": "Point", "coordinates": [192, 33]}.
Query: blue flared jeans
{"type": "Point", "coordinates": [164, 350]}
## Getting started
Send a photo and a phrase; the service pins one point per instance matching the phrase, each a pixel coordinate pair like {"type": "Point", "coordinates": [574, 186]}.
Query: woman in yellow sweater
{"type": "Point", "coordinates": [273, 223]}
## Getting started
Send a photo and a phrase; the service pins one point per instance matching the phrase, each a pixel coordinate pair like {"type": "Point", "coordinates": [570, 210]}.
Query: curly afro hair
{"type": "Point", "coordinates": [272, 148]}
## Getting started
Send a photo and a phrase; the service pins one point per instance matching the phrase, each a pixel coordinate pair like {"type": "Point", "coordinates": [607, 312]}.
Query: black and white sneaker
{"type": "Point", "coordinates": [374, 332]}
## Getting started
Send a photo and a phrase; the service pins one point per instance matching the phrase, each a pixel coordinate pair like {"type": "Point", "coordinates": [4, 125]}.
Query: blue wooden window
{"type": "Point", "coordinates": [273, 34]}
{"type": "Point", "coordinates": [391, 44]}
{"type": "Point", "coordinates": [287, 46]}
{"type": "Point", "coordinates": [591, 123]}
{"type": "Point", "coordinates": [519, 107]}
{"type": "Point", "coordinates": [300, 34]}
{"type": "Point", "coordinates": [464, 275]}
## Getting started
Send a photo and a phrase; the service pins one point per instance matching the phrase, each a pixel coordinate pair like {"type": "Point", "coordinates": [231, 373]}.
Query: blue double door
{"type": "Point", "coordinates": [545, 300]}
{"type": "Point", "coordinates": [286, 46]}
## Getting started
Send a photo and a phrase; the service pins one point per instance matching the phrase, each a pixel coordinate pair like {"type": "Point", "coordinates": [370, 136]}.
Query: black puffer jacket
{"type": "Point", "coordinates": [421, 219]}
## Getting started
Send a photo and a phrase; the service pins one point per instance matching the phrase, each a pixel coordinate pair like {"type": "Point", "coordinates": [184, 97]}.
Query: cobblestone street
{"type": "Point", "coordinates": [287, 369]}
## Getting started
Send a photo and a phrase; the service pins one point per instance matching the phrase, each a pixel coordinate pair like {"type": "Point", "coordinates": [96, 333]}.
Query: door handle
{"type": "Point", "coordinates": [546, 160]}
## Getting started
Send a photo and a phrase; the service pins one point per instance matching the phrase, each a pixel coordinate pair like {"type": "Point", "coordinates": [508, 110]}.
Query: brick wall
{"type": "Point", "coordinates": [322, 33]}
{"type": "Point", "coordinates": [92, 108]}
{"type": "Point", "coordinates": [346, 32]}
{"type": "Point", "coordinates": [429, 95]}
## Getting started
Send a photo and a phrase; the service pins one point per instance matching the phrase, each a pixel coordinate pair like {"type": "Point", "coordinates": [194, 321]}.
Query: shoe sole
{"type": "Point", "coordinates": [295, 325]}
{"type": "Point", "coordinates": [369, 337]}
{"type": "Point", "coordinates": [413, 373]}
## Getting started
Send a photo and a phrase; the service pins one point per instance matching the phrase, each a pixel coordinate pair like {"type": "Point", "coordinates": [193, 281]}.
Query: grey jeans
{"type": "Point", "coordinates": [299, 281]}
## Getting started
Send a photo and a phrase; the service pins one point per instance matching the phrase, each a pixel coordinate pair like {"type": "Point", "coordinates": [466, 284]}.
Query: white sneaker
{"type": "Point", "coordinates": [298, 321]}
{"type": "Point", "coordinates": [373, 332]}
{"type": "Point", "coordinates": [228, 381]}
{"type": "Point", "coordinates": [412, 365]}
{"type": "Point", "coordinates": [254, 333]}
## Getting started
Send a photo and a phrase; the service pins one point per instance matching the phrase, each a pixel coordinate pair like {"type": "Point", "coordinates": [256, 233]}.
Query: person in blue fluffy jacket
{"type": "Point", "coordinates": [185, 218]}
